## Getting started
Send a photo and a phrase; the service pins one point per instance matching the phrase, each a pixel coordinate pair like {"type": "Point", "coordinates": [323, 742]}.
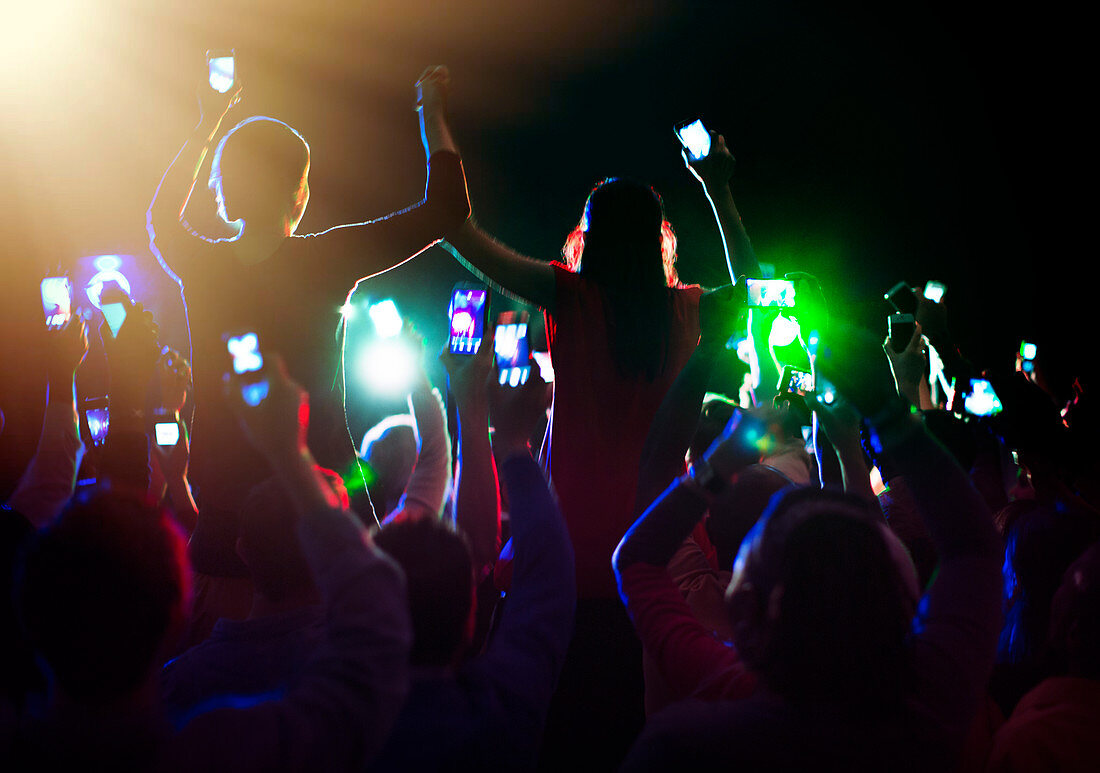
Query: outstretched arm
{"type": "Point", "coordinates": [48, 482]}
{"type": "Point", "coordinates": [526, 654]}
{"type": "Point", "coordinates": [677, 418]}
{"type": "Point", "coordinates": [477, 494]}
{"type": "Point", "coordinates": [169, 235]}
{"type": "Point", "coordinates": [714, 172]}
{"type": "Point", "coordinates": [529, 279]}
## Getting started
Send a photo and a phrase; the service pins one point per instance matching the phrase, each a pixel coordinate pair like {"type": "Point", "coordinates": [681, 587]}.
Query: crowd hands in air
{"type": "Point", "coordinates": [904, 585]}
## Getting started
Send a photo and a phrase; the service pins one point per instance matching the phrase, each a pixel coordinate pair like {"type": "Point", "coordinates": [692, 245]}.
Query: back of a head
{"type": "Point", "coordinates": [715, 414]}
{"type": "Point", "coordinates": [98, 589]}
{"type": "Point", "coordinates": [835, 607]}
{"type": "Point", "coordinates": [625, 246]}
{"type": "Point", "coordinates": [439, 574]}
{"type": "Point", "coordinates": [389, 447]}
{"type": "Point", "coordinates": [734, 512]}
{"type": "Point", "coordinates": [257, 169]}
{"type": "Point", "coordinates": [268, 543]}
{"type": "Point", "coordinates": [1041, 543]}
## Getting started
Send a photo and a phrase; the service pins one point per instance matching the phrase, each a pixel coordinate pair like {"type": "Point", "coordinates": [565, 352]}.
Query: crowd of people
{"type": "Point", "coordinates": [643, 565]}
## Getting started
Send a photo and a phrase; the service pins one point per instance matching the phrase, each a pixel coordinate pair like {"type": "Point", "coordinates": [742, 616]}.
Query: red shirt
{"type": "Point", "coordinates": [601, 419]}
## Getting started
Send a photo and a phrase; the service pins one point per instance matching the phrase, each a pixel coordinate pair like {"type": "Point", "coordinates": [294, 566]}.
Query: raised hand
{"type": "Point", "coordinates": [908, 365]}
{"type": "Point", "coordinates": [468, 376]}
{"type": "Point", "coordinates": [716, 168]}
{"type": "Point", "coordinates": [277, 425]}
{"type": "Point", "coordinates": [131, 358]}
{"type": "Point", "coordinates": [432, 89]}
{"type": "Point", "coordinates": [66, 349]}
{"type": "Point", "coordinates": [719, 311]}
{"type": "Point", "coordinates": [517, 412]}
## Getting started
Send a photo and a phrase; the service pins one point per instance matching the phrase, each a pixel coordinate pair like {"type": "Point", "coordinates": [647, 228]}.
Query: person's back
{"type": "Point", "coordinates": [264, 653]}
{"type": "Point", "coordinates": [270, 280]}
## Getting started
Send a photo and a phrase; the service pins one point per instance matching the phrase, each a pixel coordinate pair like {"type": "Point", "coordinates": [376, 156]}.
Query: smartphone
{"type": "Point", "coordinates": [695, 138]}
{"type": "Point", "coordinates": [796, 381]}
{"type": "Point", "coordinates": [512, 347]}
{"type": "Point", "coordinates": [223, 70]}
{"type": "Point", "coordinates": [900, 328]}
{"type": "Point", "coordinates": [934, 290]}
{"type": "Point", "coordinates": [97, 419]}
{"type": "Point", "coordinates": [770, 292]}
{"type": "Point", "coordinates": [980, 399]}
{"type": "Point", "coordinates": [115, 305]}
{"type": "Point", "coordinates": [468, 309]}
{"type": "Point", "coordinates": [57, 301]}
{"type": "Point", "coordinates": [245, 351]}
{"type": "Point", "coordinates": [902, 298]}
{"type": "Point", "coordinates": [167, 433]}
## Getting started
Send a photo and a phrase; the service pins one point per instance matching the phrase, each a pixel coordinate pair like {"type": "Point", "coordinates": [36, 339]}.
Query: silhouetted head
{"type": "Point", "coordinates": [260, 174]}
{"type": "Point", "coordinates": [626, 247]}
{"type": "Point", "coordinates": [713, 418]}
{"type": "Point", "coordinates": [821, 601]}
{"type": "Point", "coordinates": [623, 236]}
{"type": "Point", "coordinates": [101, 591]}
{"type": "Point", "coordinates": [439, 573]}
{"type": "Point", "coordinates": [268, 544]}
{"type": "Point", "coordinates": [389, 447]}
{"type": "Point", "coordinates": [1042, 540]}
{"type": "Point", "coordinates": [736, 510]}
{"type": "Point", "coordinates": [1074, 638]}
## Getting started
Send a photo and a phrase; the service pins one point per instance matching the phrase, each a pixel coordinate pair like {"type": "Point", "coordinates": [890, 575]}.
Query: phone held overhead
{"type": "Point", "coordinates": [467, 312]}
{"type": "Point", "coordinates": [695, 138]}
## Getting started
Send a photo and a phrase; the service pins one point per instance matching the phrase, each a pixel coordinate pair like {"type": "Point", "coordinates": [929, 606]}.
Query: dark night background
{"type": "Point", "coordinates": [874, 142]}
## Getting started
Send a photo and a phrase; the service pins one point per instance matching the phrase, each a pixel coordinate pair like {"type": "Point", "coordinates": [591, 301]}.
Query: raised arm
{"type": "Point", "coordinates": [959, 617]}
{"type": "Point", "coordinates": [170, 237]}
{"type": "Point", "coordinates": [529, 279]}
{"type": "Point", "coordinates": [341, 710]}
{"type": "Point", "coordinates": [477, 495]}
{"type": "Point", "coordinates": [131, 359]}
{"type": "Point", "coordinates": [526, 654]}
{"type": "Point", "coordinates": [841, 425]}
{"type": "Point", "coordinates": [686, 652]}
{"type": "Point", "coordinates": [48, 482]}
{"type": "Point", "coordinates": [714, 172]}
{"type": "Point", "coordinates": [175, 381]}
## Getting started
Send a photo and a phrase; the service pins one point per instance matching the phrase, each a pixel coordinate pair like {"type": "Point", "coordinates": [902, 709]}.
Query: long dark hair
{"type": "Point", "coordinates": [624, 244]}
{"type": "Point", "coordinates": [841, 633]}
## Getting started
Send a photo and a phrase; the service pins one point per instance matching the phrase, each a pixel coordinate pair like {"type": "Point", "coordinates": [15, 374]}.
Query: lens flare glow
{"type": "Point", "coordinates": [784, 332]}
{"type": "Point", "coordinates": [387, 366]}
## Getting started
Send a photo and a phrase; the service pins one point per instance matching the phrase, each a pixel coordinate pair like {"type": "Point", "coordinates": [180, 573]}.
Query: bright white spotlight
{"type": "Point", "coordinates": [386, 319]}
{"type": "Point", "coordinates": [387, 366]}
{"type": "Point", "coordinates": [784, 332]}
